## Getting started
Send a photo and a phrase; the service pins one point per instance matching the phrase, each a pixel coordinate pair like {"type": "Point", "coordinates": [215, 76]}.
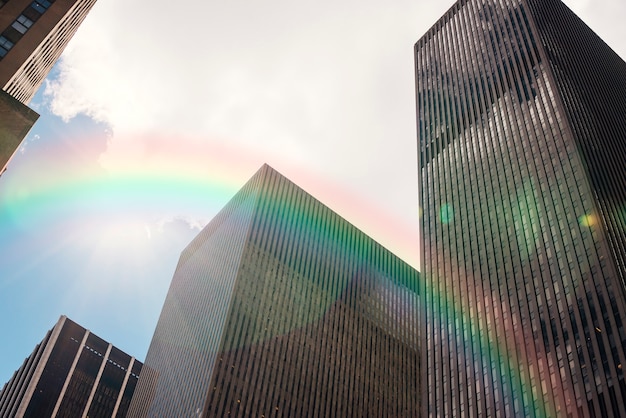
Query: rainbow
{"type": "Point", "coordinates": [154, 178]}
{"type": "Point", "coordinates": [204, 178]}
{"type": "Point", "coordinates": [485, 346]}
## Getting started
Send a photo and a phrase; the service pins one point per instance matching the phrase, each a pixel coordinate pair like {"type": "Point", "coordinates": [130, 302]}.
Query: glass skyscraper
{"type": "Point", "coordinates": [521, 114]}
{"type": "Point", "coordinates": [280, 307]}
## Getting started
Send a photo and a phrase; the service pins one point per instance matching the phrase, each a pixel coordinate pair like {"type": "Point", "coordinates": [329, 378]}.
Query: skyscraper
{"type": "Point", "coordinates": [71, 373]}
{"type": "Point", "coordinates": [522, 150]}
{"type": "Point", "coordinates": [280, 307]}
{"type": "Point", "coordinates": [33, 34]}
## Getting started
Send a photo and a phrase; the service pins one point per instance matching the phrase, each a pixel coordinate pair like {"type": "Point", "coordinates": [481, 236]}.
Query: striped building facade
{"type": "Point", "coordinates": [33, 34]}
{"type": "Point", "coordinates": [522, 151]}
{"type": "Point", "coordinates": [72, 373]}
{"type": "Point", "coordinates": [280, 307]}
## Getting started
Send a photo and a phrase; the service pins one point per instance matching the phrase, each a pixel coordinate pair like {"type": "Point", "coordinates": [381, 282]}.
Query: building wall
{"type": "Point", "coordinates": [186, 340]}
{"type": "Point", "coordinates": [522, 298]}
{"type": "Point", "coordinates": [33, 35]}
{"type": "Point", "coordinates": [320, 320]}
{"type": "Point", "coordinates": [16, 119]}
{"type": "Point", "coordinates": [592, 81]}
{"type": "Point", "coordinates": [38, 43]}
{"type": "Point", "coordinates": [71, 373]}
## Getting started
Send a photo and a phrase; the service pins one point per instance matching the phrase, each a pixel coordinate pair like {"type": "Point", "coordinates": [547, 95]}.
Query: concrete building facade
{"type": "Point", "coordinates": [33, 34]}
{"type": "Point", "coordinates": [16, 119]}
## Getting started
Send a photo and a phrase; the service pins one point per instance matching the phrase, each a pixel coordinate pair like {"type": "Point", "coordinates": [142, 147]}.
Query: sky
{"type": "Point", "coordinates": [158, 112]}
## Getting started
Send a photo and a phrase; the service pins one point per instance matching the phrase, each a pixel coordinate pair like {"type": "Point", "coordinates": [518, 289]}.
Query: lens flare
{"type": "Point", "coordinates": [446, 213]}
{"type": "Point", "coordinates": [160, 176]}
{"type": "Point", "coordinates": [587, 220]}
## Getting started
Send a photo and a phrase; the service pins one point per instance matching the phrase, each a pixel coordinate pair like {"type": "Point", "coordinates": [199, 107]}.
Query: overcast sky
{"type": "Point", "coordinates": [157, 114]}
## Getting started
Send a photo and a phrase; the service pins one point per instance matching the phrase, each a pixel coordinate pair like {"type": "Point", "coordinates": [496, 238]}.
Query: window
{"type": "Point", "coordinates": [41, 5]}
{"type": "Point", "coordinates": [22, 23]}
{"type": "Point", "coordinates": [5, 45]}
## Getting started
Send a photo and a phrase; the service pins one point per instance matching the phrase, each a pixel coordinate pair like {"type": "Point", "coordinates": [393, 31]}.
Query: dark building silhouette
{"type": "Point", "coordinates": [16, 119]}
{"type": "Point", "coordinates": [71, 373]}
{"type": "Point", "coordinates": [33, 34]}
{"type": "Point", "coordinates": [522, 149]}
{"type": "Point", "coordinates": [280, 307]}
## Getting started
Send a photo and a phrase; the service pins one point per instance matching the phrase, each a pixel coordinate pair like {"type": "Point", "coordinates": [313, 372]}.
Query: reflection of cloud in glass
{"type": "Point", "coordinates": [526, 219]}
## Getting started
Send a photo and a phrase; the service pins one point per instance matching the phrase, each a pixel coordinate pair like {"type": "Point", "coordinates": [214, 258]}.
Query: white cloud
{"type": "Point", "coordinates": [579, 6]}
{"type": "Point", "coordinates": [180, 223]}
{"type": "Point", "coordinates": [327, 86]}
{"type": "Point", "coordinates": [606, 18]}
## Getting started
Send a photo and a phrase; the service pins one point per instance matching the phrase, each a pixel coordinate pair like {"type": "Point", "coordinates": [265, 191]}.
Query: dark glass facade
{"type": "Point", "coordinates": [71, 373]}
{"type": "Point", "coordinates": [522, 144]}
{"type": "Point", "coordinates": [282, 308]}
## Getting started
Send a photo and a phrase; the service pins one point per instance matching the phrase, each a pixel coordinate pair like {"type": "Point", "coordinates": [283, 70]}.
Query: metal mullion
{"type": "Point", "coordinates": [461, 293]}
{"type": "Point", "coordinates": [446, 165]}
{"type": "Point", "coordinates": [496, 93]}
{"type": "Point", "coordinates": [471, 116]}
{"type": "Point", "coordinates": [489, 380]}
